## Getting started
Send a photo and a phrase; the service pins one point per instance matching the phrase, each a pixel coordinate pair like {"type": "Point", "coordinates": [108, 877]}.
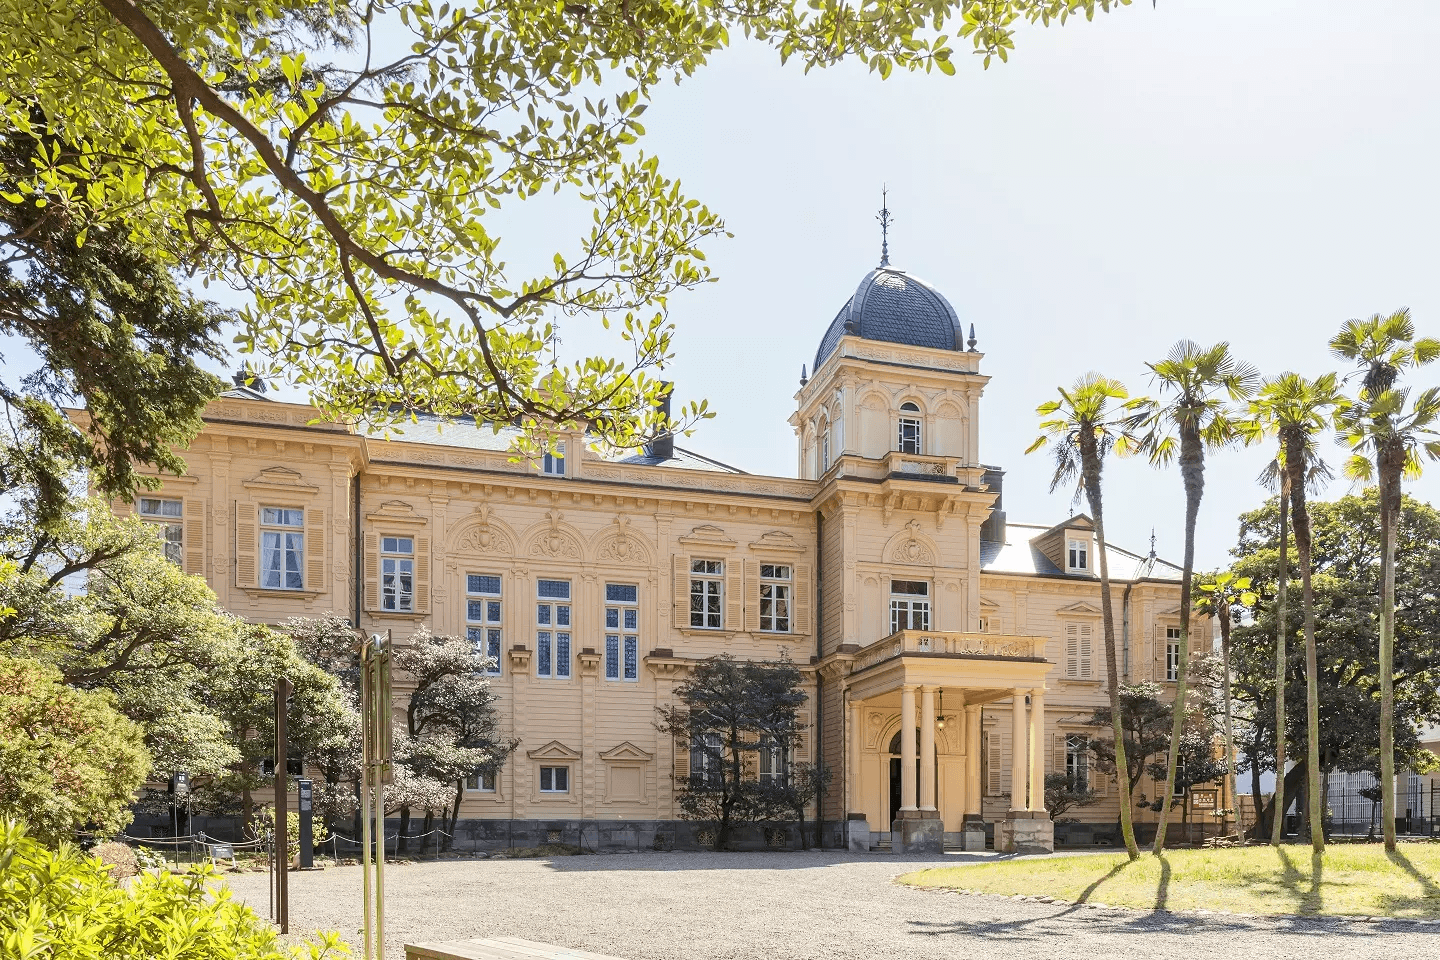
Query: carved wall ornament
{"type": "Point", "coordinates": [618, 544]}
{"type": "Point", "coordinates": [482, 533]}
{"type": "Point", "coordinates": [555, 541]}
{"type": "Point", "coordinates": [909, 547]}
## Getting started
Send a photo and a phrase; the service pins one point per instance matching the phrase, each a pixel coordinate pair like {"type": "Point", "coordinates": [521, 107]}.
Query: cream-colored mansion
{"type": "Point", "coordinates": [952, 657]}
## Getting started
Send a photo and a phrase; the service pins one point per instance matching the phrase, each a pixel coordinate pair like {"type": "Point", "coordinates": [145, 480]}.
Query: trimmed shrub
{"type": "Point", "coordinates": [118, 857]}
{"type": "Point", "coordinates": [64, 903]}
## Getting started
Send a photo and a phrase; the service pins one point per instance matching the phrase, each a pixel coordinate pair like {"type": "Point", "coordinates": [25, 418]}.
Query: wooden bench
{"type": "Point", "coordinates": [496, 948]}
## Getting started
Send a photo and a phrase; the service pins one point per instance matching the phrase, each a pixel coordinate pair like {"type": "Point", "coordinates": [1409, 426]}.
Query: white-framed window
{"type": "Point", "coordinates": [1077, 761]}
{"type": "Point", "coordinates": [397, 573]}
{"type": "Point", "coordinates": [552, 629]}
{"type": "Point", "coordinates": [282, 548]}
{"type": "Point", "coordinates": [1078, 554]}
{"type": "Point", "coordinates": [707, 594]}
{"type": "Point", "coordinates": [553, 463]}
{"type": "Point", "coordinates": [774, 763]}
{"type": "Point", "coordinates": [1172, 653]}
{"type": "Point", "coordinates": [167, 518]}
{"type": "Point", "coordinates": [482, 617]}
{"type": "Point", "coordinates": [824, 446]}
{"type": "Point", "coordinates": [622, 631]}
{"type": "Point", "coordinates": [705, 760]}
{"type": "Point", "coordinates": [984, 624]}
{"type": "Point", "coordinates": [554, 779]}
{"type": "Point", "coordinates": [909, 438]}
{"type": "Point", "coordinates": [909, 605]}
{"type": "Point", "coordinates": [1180, 787]}
{"type": "Point", "coordinates": [775, 588]}
{"type": "Point", "coordinates": [480, 783]}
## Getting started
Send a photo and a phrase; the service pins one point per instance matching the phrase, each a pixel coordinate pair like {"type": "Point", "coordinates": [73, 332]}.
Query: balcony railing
{"type": "Point", "coordinates": [948, 643]}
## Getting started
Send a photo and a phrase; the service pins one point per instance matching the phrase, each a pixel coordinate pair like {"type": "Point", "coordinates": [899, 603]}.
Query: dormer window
{"type": "Point", "coordinates": [553, 463]}
{"type": "Point", "coordinates": [1078, 553]}
{"type": "Point", "coordinates": [909, 429]}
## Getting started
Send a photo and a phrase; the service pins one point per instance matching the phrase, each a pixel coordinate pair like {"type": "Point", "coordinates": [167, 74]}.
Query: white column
{"type": "Point", "coordinates": [1018, 754]}
{"type": "Point", "coordinates": [907, 748]}
{"type": "Point", "coordinates": [856, 803]}
{"type": "Point", "coordinates": [927, 749]}
{"type": "Point", "coordinates": [1037, 751]}
{"type": "Point", "coordinates": [972, 761]}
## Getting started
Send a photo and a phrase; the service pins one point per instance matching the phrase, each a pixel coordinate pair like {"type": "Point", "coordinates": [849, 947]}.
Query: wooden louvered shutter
{"type": "Point", "coordinates": [801, 607]}
{"type": "Point", "coordinates": [246, 550]}
{"type": "Point", "coordinates": [315, 548]}
{"type": "Point", "coordinates": [734, 596]}
{"type": "Point", "coordinates": [422, 574]}
{"type": "Point", "coordinates": [681, 602]}
{"type": "Point", "coordinates": [195, 536]}
{"type": "Point", "coordinates": [750, 765]}
{"type": "Point", "coordinates": [682, 763]}
{"type": "Point", "coordinates": [994, 778]}
{"type": "Point", "coordinates": [372, 571]}
{"type": "Point", "coordinates": [1057, 754]}
{"type": "Point", "coordinates": [1086, 661]}
{"type": "Point", "coordinates": [1072, 651]}
{"type": "Point", "coordinates": [802, 738]}
{"type": "Point", "coordinates": [1099, 782]}
{"type": "Point", "coordinates": [752, 595]}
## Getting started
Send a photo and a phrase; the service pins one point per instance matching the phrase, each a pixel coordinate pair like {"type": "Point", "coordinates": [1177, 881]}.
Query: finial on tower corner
{"type": "Point", "coordinates": [1152, 543]}
{"type": "Point", "coordinates": [803, 379]}
{"type": "Point", "coordinates": [885, 219]}
{"type": "Point", "coordinates": [972, 338]}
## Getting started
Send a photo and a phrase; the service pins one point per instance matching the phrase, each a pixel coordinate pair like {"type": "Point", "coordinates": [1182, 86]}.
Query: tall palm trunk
{"type": "Point", "coordinates": [1282, 628]}
{"type": "Point", "coordinates": [1392, 465]}
{"type": "Point", "coordinates": [1192, 472]}
{"type": "Point", "coordinates": [1231, 780]}
{"type": "Point", "coordinates": [1295, 465]}
{"type": "Point", "coordinates": [1090, 470]}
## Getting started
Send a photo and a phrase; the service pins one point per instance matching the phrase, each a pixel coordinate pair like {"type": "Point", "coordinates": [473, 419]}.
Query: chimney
{"type": "Point", "coordinates": [663, 446]}
{"type": "Point", "coordinates": [993, 529]}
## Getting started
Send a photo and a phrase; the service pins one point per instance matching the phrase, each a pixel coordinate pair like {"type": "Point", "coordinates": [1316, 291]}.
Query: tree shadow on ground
{"type": "Point", "coordinates": [1308, 903]}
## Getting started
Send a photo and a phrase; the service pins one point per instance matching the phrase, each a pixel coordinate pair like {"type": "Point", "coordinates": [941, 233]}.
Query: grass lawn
{"type": "Point", "coordinates": [1354, 879]}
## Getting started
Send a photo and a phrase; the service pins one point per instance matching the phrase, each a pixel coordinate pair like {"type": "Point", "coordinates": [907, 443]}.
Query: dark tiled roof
{"type": "Point", "coordinates": [892, 306]}
{"type": "Point", "coordinates": [686, 459]}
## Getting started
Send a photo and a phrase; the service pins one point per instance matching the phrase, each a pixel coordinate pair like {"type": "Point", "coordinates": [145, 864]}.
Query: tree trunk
{"type": "Point", "coordinates": [1295, 463]}
{"type": "Point", "coordinates": [1192, 471]}
{"type": "Point", "coordinates": [1391, 467]}
{"type": "Point", "coordinates": [400, 841]}
{"type": "Point", "coordinates": [1282, 627]}
{"type": "Point", "coordinates": [455, 814]}
{"type": "Point", "coordinates": [1232, 780]}
{"type": "Point", "coordinates": [1090, 470]}
{"type": "Point", "coordinates": [1259, 831]}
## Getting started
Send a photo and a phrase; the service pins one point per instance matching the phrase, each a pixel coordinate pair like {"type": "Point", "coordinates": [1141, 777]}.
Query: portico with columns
{"type": "Point", "coordinates": [918, 704]}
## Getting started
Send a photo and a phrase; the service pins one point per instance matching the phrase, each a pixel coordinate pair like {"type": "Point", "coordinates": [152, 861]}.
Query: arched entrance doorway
{"type": "Point", "coordinates": [894, 752]}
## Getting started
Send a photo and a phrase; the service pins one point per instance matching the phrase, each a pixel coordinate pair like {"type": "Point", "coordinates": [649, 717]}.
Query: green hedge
{"type": "Point", "coordinates": [64, 903]}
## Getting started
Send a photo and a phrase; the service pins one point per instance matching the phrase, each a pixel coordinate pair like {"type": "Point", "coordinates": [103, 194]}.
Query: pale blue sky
{"type": "Point", "coordinates": [1249, 170]}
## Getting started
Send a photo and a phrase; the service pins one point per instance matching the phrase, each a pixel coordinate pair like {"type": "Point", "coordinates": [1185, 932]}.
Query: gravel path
{"type": "Point", "coordinates": [778, 906]}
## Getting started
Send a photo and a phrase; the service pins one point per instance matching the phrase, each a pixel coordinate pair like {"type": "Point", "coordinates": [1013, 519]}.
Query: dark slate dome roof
{"type": "Point", "coordinates": [892, 306]}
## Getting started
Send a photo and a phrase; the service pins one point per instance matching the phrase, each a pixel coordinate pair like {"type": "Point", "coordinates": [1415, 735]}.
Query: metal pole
{"type": "Point", "coordinates": [303, 792]}
{"type": "Point", "coordinates": [282, 812]}
{"type": "Point", "coordinates": [380, 868]}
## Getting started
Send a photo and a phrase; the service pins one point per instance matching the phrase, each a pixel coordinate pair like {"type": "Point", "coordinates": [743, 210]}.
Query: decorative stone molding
{"type": "Point", "coordinates": [707, 536]}
{"type": "Point", "coordinates": [777, 541]}
{"type": "Point", "coordinates": [281, 480]}
{"type": "Point", "coordinates": [911, 546]}
{"type": "Point", "coordinates": [481, 533]}
{"type": "Point", "coordinates": [554, 750]}
{"type": "Point", "coordinates": [555, 539]}
{"type": "Point", "coordinates": [621, 545]}
{"type": "Point", "coordinates": [394, 511]}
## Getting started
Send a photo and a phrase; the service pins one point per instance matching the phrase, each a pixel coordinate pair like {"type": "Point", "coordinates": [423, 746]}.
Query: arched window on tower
{"type": "Point", "coordinates": [909, 431]}
{"type": "Point", "coordinates": [824, 446]}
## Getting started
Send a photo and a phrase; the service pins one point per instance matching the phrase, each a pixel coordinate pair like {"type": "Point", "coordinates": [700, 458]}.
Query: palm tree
{"type": "Point", "coordinates": [1274, 475]}
{"type": "Point", "coordinates": [1297, 409]}
{"type": "Point", "coordinates": [1224, 595]}
{"type": "Point", "coordinates": [1088, 422]}
{"type": "Point", "coordinates": [1202, 383]}
{"type": "Point", "coordinates": [1388, 440]}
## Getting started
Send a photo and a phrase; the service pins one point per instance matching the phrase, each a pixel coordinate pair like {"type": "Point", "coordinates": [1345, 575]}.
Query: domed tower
{"type": "Point", "coordinates": [893, 373]}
